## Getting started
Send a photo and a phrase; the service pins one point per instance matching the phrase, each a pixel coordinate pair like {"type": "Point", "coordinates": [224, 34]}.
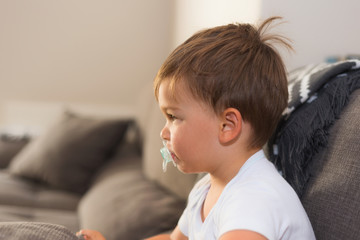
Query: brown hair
{"type": "Point", "coordinates": [234, 66]}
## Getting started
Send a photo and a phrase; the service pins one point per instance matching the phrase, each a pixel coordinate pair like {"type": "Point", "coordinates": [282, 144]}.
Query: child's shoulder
{"type": "Point", "coordinates": [261, 185]}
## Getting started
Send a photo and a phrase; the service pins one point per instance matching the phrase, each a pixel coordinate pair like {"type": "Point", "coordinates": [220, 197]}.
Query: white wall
{"type": "Point", "coordinates": [318, 28]}
{"type": "Point", "coordinates": [194, 15]}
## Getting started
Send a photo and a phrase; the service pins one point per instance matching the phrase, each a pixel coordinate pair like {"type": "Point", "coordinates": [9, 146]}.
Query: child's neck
{"type": "Point", "coordinates": [232, 165]}
{"type": "Point", "coordinates": [220, 179]}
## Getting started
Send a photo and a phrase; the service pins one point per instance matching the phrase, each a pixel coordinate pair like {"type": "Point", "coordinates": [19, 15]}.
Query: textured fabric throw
{"type": "Point", "coordinates": [317, 94]}
{"type": "Point", "coordinates": [34, 231]}
{"type": "Point", "coordinates": [306, 81]}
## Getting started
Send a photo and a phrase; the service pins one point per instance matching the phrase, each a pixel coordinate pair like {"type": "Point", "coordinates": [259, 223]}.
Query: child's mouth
{"type": "Point", "coordinates": [174, 158]}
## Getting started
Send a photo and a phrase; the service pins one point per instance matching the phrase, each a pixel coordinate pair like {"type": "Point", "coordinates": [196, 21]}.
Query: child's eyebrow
{"type": "Point", "coordinates": [167, 108]}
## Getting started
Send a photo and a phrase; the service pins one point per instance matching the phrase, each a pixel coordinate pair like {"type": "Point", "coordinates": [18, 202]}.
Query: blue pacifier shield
{"type": "Point", "coordinates": [166, 155]}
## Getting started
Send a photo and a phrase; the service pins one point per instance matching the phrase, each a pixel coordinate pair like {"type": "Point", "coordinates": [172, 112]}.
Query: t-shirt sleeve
{"type": "Point", "coordinates": [183, 223]}
{"type": "Point", "coordinates": [251, 212]}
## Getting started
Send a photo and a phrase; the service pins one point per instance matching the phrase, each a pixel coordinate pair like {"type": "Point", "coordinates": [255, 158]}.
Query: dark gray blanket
{"type": "Point", "coordinates": [318, 93]}
{"type": "Point", "coordinates": [34, 231]}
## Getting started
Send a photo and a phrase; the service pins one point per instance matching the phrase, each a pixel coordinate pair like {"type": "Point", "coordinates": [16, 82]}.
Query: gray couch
{"type": "Point", "coordinates": [317, 146]}
{"type": "Point", "coordinates": [127, 196]}
{"type": "Point", "coordinates": [94, 172]}
{"type": "Point", "coordinates": [332, 195]}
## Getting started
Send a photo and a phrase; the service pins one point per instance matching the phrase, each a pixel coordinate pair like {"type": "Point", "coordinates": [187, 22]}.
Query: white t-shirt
{"type": "Point", "coordinates": [257, 199]}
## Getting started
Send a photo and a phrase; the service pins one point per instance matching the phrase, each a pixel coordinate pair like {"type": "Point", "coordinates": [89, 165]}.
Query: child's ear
{"type": "Point", "coordinates": [231, 124]}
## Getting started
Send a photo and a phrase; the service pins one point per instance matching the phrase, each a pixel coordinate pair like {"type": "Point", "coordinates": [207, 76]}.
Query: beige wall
{"type": "Point", "coordinates": [103, 52]}
{"type": "Point", "coordinates": [85, 51]}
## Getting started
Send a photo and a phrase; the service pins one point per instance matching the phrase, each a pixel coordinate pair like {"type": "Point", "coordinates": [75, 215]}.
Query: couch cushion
{"type": "Point", "coordinates": [172, 179]}
{"type": "Point", "coordinates": [67, 155]}
{"type": "Point", "coordinates": [123, 204]}
{"type": "Point", "coordinates": [18, 191]}
{"type": "Point", "coordinates": [332, 194]}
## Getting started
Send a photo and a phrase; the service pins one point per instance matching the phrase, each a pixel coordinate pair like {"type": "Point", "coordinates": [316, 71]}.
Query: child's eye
{"type": "Point", "coordinates": [171, 117]}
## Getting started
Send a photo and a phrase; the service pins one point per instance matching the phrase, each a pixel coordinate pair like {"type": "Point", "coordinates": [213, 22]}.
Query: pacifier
{"type": "Point", "coordinates": [166, 155]}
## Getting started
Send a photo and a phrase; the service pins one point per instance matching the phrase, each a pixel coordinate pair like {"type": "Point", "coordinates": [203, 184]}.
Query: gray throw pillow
{"type": "Point", "coordinates": [34, 231]}
{"type": "Point", "coordinates": [10, 146]}
{"type": "Point", "coordinates": [126, 205]}
{"type": "Point", "coordinates": [67, 155]}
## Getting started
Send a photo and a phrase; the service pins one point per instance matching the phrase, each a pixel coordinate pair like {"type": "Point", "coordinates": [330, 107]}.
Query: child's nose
{"type": "Point", "coordinates": [165, 133]}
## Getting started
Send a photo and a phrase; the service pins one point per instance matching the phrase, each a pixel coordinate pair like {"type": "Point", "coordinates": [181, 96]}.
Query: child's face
{"type": "Point", "coordinates": [191, 129]}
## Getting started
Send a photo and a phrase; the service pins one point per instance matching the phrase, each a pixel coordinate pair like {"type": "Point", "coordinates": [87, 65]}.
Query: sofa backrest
{"type": "Point", "coordinates": [332, 195]}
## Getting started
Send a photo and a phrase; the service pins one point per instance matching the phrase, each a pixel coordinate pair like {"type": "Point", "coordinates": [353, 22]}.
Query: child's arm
{"type": "Point", "coordinates": [90, 234]}
{"type": "Point", "coordinates": [160, 237]}
{"type": "Point", "coordinates": [242, 234]}
{"type": "Point", "coordinates": [175, 235]}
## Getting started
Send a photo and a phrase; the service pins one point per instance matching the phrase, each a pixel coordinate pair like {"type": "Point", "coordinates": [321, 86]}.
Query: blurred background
{"type": "Point", "coordinates": [105, 52]}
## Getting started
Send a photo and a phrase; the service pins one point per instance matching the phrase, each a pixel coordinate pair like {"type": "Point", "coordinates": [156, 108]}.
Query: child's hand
{"type": "Point", "coordinates": [90, 234]}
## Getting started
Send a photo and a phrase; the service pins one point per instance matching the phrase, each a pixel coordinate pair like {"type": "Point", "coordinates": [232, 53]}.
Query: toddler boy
{"type": "Point", "coordinates": [223, 92]}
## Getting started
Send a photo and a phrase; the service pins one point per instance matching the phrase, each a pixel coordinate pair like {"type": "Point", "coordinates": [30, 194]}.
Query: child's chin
{"type": "Point", "coordinates": [184, 170]}
{"type": "Point", "coordinates": [180, 168]}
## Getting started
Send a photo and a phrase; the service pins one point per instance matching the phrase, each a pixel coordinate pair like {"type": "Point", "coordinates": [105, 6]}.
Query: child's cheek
{"type": "Point", "coordinates": [177, 143]}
